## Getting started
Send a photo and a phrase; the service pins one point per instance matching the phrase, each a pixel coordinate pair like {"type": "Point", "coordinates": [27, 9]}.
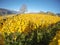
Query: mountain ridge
{"type": "Point", "coordinates": [4, 11]}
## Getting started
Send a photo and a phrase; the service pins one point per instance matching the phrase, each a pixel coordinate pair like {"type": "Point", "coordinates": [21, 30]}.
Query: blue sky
{"type": "Point", "coordinates": [32, 5]}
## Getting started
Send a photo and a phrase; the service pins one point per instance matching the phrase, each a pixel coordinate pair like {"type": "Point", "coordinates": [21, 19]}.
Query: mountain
{"type": "Point", "coordinates": [58, 14]}
{"type": "Point", "coordinates": [6, 11]}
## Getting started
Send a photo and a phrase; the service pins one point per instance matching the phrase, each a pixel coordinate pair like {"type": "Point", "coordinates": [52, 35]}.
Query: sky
{"type": "Point", "coordinates": [32, 5]}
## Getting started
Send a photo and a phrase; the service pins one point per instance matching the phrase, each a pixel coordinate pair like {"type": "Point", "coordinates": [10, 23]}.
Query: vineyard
{"type": "Point", "coordinates": [30, 29]}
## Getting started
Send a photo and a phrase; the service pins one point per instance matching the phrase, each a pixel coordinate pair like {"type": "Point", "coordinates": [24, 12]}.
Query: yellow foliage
{"type": "Point", "coordinates": [20, 22]}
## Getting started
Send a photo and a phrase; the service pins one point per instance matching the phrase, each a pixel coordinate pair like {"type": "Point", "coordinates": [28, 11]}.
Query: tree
{"type": "Point", "coordinates": [23, 9]}
{"type": "Point", "coordinates": [49, 12]}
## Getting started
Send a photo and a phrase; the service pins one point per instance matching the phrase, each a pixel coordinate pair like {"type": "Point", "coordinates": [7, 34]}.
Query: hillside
{"type": "Point", "coordinates": [29, 29]}
{"type": "Point", "coordinates": [6, 11]}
